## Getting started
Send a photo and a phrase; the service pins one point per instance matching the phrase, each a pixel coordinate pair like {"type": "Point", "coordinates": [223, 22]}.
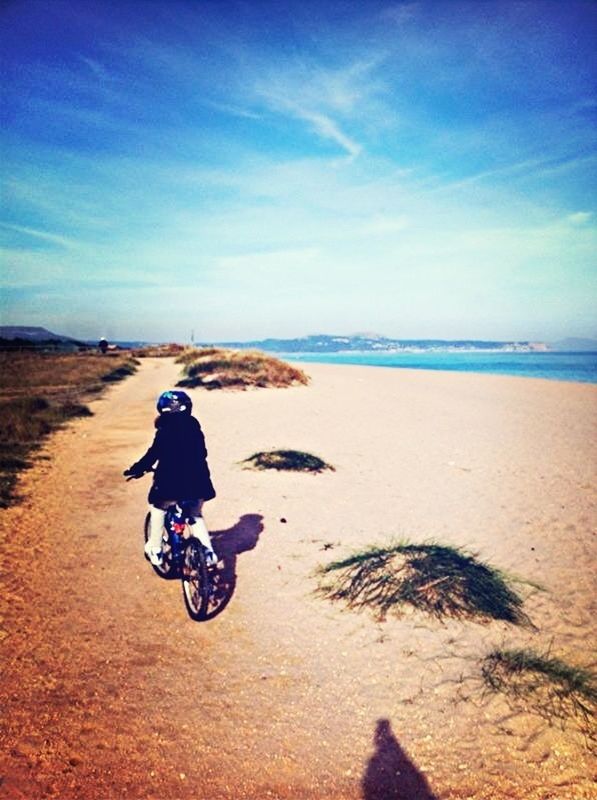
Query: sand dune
{"type": "Point", "coordinates": [110, 690]}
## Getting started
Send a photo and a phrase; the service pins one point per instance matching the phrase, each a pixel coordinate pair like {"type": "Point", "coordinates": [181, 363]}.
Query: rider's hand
{"type": "Point", "coordinates": [130, 473]}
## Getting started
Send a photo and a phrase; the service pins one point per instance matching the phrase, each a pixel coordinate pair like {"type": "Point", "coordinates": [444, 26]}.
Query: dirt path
{"type": "Point", "coordinates": [110, 691]}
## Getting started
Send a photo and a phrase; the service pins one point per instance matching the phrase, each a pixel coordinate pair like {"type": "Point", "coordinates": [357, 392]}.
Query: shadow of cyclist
{"type": "Point", "coordinates": [390, 774]}
{"type": "Point", "coordinates": [229, 544]}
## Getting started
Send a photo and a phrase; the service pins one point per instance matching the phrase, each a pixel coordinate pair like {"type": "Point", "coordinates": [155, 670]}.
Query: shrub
{"type": "Point", "coordinates": [159, 351]}
{"type": "Point", "coordinates": [119, 373]}
{"type": "Point", "coordinates": [291, 460]}
{"type": "Point", "coordinates": [216, 368]}
{"type": "Point", "coordinates": [440, 580]}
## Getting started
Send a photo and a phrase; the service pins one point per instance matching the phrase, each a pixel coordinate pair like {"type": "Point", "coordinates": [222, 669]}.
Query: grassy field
{"type": "Point", "coordinates": [40, 392]}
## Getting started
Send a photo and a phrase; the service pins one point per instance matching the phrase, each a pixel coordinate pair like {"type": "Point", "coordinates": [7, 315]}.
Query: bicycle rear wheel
{"type": "Point", "coordinates": [196, 583]}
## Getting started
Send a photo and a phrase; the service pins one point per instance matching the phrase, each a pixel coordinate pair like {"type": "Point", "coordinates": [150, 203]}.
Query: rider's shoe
{"type": "Point", "coordinates": [155, 556]}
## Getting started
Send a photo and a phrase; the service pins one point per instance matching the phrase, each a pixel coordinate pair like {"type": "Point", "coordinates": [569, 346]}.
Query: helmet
{"type": "Point", "coordinates": [174, 402]}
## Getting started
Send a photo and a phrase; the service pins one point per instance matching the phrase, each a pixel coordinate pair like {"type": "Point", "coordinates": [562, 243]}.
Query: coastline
{"type": "Point", "coordinates": [569, 367]}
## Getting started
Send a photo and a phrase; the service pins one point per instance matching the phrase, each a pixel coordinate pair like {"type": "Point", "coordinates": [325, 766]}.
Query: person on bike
{"type": "Point", "coordinates": [181, 473]}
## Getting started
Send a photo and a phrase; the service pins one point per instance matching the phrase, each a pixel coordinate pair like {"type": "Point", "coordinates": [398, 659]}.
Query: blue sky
{"type": "Point", "coordinates": [252, 169]}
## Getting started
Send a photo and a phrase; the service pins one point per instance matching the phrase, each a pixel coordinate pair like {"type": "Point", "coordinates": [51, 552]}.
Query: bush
{"type": "Point", "coordinates": [217, 368]}
{"type": "Point", "coordinates": [291, 460]}
{"type": "Point", "coordinates": [120, 373]}
{"type": "Point", "coordinates": [158, 351]}
{"type": "Point", "coordinates": [440, 580]}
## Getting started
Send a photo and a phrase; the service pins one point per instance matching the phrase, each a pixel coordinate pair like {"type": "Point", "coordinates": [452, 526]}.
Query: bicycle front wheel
{"type": "Point", "coordinates": [196, 584]}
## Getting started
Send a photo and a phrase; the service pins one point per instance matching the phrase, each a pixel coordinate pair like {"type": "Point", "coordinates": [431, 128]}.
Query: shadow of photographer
{"type": "Point", "coordinates": [229, 544]}
{"type": "Point", "coordinates": [390, 774]}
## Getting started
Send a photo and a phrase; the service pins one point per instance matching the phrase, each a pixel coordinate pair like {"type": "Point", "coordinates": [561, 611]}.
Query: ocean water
{"type": "Point", "coordinates": [557, 366]}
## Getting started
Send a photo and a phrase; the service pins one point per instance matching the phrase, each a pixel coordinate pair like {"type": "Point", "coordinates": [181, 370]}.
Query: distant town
{"type": "Point", "coordinates": [324, 343]}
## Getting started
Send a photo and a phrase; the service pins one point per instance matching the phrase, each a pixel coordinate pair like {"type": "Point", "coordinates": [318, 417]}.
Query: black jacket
{"type": "Point", "coordinates": [179, 449]}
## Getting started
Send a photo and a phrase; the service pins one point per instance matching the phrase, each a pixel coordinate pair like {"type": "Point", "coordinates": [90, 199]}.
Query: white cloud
{"type": "Point", "coordinates": [268, 263]}
{"type": "Point", "coordinates": [381, 225]}
{"type": "Point", "coordinates": [580, 218]}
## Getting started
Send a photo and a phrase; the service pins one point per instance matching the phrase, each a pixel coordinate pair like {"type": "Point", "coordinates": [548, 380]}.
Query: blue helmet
{"type": "Point", "coordinates": [174, 402]}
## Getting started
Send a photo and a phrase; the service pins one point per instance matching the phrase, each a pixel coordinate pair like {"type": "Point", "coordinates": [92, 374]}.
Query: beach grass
{"type": "Point", "coordinates": [119, 373]}
{"type": "Point", "coordinates": [544, 684]}
{"type": "Point", "coordinates": [41, 392]}
{"type": "Point", "coordinates": [219, 368]}
{"type": "Point", "coordinates": [289, 460]}
{"type": "Point", "coordinates": [437, 579]}
{"type": "Point", "coordinates": [169, 350]}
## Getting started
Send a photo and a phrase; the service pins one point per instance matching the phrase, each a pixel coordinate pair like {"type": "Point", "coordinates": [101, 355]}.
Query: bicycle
{"type": "Point", "coordinates": [204, 586]}
{"type": "Point", "coordinates": [184, 557]}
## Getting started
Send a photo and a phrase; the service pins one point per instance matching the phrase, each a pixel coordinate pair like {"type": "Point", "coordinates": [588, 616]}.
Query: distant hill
{"type": "Point", "coordinates": [35, 334]}
{"type": "Point", "coordinates": [573, 344]}
{"type": "Point", "coordinates": [322, 343]}
{"type": "Point", "coordinates": [24, 336]}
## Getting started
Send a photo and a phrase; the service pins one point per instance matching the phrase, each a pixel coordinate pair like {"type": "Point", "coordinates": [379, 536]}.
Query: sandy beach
{"type": "Point", "coordinates": [111, 691]}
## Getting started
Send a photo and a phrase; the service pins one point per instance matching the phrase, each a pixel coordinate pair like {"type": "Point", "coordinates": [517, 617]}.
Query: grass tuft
{"type": "Point", "coordinates": [290, 460]}
{"type": "Point", "coordinates": [546, 685]}
{"type": "Point", "coordinates": [120, 373]}
{"type": "Point", "coordinates": [440, 580]}
{"type": "Point", "coordinates": [217, 368]}
{"type": "Point", "coordinates": [169, 350]}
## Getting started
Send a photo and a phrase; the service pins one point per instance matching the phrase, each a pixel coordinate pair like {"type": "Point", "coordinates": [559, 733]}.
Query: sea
{"type": "Point", "coordinates": [580, 367]}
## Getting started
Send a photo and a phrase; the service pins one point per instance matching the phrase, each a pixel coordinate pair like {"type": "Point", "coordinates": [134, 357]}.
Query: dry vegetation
{"type": "Point", "coordinates": [544, 684]}
{"type": "Point", "coordinates": [40, 392]}
{"type": "Point", "coordinates": [218, 368]}
{"type": "Point", "coordinates": [290, 460]}
{"type": "Point", "coordinates": [440, 580]}
{"type": "Point", "coordinates": [159, 351]}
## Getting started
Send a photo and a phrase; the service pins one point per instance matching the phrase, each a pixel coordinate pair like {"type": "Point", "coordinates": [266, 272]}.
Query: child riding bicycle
{"type": "Point", "coordinates": [181, 472]}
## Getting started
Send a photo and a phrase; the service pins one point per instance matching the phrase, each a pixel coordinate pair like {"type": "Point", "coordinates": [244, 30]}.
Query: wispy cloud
{"type": "Point", "coordinates": [328, 129]}
{"type": "Point", "coordinates": [235, 111]}
{"type": "Point", "coordinates": [381, 225]}
{"type": "Point", "coordinates": [269, 261]}
{"type": "Point", "coordinates": [327, 99]}
{"type": "Point", "coordinates": [535, 167]}
{"type": "Point", "coordinates": [53, 238]}
{"type": "Point", "coordinates": [400, 13]}
{"type": "Point", "coordinates": [580, 218]}
{"type": "Point", "coordinates": [98, 70]}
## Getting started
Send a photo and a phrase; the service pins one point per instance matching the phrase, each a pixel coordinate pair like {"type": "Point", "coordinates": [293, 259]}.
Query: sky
{"type": "Point", "coordinates": [239, 170]}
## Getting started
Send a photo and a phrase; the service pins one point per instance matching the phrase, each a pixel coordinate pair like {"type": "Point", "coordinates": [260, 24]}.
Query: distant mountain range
{"type": "Point", "coordinates": [318, 343]}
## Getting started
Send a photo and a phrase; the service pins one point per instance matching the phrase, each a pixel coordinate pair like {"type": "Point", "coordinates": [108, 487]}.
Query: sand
{"type": "Point", "coordinates": [109, 690]}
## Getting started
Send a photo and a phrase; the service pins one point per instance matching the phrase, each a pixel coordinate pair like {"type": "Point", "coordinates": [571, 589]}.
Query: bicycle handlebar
{"type": "Point", "coordinates": [134, 476]}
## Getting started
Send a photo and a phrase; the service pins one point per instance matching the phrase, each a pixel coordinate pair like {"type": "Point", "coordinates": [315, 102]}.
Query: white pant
{"type": "Point", "coordinates": [156, 527]}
